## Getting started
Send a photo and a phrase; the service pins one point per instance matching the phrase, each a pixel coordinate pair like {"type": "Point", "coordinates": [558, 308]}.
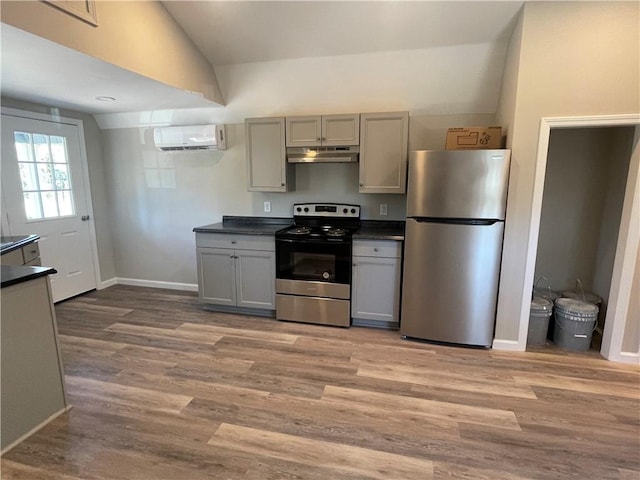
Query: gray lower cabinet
{"type": "Point", "coordinates": [375, 297]}
{"type": "Point", "coordinates": [240, 275]}
{"type": "Point", "coordinates": [27, 255]}
{"type": "Point", "coordinates": [33, 390]}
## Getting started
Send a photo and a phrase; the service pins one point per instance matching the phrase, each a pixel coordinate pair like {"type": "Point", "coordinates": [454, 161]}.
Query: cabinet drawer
{"type": "Point", "coordinates": [14, 257]}
{"type": "Point", "coordinates": [377, 248]}
{"type": "Point", "coordinates": [30, 252]}
{"type": "Point", "coordinates": [237, 242]}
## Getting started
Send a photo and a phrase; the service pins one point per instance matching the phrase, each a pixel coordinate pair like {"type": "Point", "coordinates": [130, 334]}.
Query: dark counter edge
{"type": "Point", "coordinates": [380, 230]}
{"type": "Point", "coordinates": [14, 274]}
{"type": "Point", "coordinates": [370, 229]}
{"type": "Point", "coordinates": [24, 240]}
{"type": "Point", "coordinates": [244, 225]}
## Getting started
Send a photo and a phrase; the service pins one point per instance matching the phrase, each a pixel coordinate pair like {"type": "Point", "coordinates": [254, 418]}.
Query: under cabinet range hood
{"type": "Point", "coordinates": [322, 154]}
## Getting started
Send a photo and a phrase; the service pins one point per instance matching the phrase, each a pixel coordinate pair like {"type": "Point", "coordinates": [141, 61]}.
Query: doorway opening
{"type": "Point", "coordinates": [587, 225]}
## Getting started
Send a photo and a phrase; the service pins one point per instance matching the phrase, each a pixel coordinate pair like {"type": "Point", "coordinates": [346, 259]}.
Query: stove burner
{"type": "Point", "coordinates": [336, 232]}
{"type": "Point", "coordinates": [300, 231]}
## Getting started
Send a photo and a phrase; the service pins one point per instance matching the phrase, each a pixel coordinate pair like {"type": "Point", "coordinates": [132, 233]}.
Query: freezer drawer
{"type": "Point", "coordinates": [450, 282]}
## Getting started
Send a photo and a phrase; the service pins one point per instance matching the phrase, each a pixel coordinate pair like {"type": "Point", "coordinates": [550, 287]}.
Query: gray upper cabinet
{"type": "Point", "coordinates": [267, 169]}
{"type": "Point", "coordinates": [325, 130]}
{"type": "Point", "coordinates": [384, 139]}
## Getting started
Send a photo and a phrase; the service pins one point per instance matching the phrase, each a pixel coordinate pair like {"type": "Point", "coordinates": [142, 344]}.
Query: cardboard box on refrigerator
{"type": "Point", "coordinates": [474, 138]}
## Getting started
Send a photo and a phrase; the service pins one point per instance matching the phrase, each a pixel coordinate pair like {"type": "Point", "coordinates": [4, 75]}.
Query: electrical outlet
{"type": "Point", "coordinates": [384, 209]}
{"type": "Point", "coordinates": [267, 206]}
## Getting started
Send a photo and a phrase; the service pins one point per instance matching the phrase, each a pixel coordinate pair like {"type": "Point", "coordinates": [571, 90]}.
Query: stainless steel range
{"type": "Point", "coordinates": [313, 264]}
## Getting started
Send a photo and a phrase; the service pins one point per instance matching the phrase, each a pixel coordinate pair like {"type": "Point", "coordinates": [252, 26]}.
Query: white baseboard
{"type": "Point", "coordinates": [136, 282]}
{"type": "Point", "coordinates": [511, 345]}
{"type": "Point", "coordinates": [626, 357]}
{"type": "Point", "coordinates": [108, 283]}
{"type": "Point", "coordinates": [35, 429]}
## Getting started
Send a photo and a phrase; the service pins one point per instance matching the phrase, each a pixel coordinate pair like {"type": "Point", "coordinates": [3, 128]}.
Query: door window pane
{"type": "Point", "coordinates": [61, 176]}
{"type": "Point", "coordinates": [58, 149]}
{"type": "Point", "coordinates": [28, 176]}
{"type": "Point", "coordinates": [32, 205]}
{"type": "Point", "coordinates": [49, 204]}
{"type": "Point", "coordinates": [65, 203]}
{"type": "Point", "coordinates": [44, 175]}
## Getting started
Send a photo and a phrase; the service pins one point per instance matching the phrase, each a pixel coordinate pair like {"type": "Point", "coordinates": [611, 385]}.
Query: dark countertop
{"type": "Point", "coordinates": [246, 225]}
{"type": "Point", "coordinates": [13, 243]}
{"type": "Point", "coordinates": [369, 229]}
{"type": "Point", "coordinates": [14, 274]}
{"type": "Point", "coordinates": [380, 230]}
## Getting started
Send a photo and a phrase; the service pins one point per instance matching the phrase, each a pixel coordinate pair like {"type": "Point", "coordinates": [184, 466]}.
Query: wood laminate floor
{"type": "Point", "coordinates": [162, 389]}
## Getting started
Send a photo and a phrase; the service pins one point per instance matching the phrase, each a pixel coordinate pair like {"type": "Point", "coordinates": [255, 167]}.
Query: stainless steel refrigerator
{"type": "Point", "coordinates": [456, 203]}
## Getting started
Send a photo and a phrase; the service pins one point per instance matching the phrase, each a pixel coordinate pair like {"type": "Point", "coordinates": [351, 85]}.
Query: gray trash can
{"type": "Point", "coordinates": [541, 310]}
{"type": "Point", "coordinates": [575, 322]}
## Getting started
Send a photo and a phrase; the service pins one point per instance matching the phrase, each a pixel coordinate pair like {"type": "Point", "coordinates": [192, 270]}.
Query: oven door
{"type": "Point", "coordinates": [313, 260]}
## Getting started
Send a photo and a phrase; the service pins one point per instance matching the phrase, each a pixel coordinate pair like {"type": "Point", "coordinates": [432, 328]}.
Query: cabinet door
{"type": "Point", "coordinates": [216, 276]}
{"type": "Point", "coordinates": [266, 157]}
{"type": "Point", "coordinates": [304, 131]}
{"type": "Point", "coordinates": [255, 279]}
{"type": "Point", "coordinates": [384, 140]}
{"type": "Point", "coordinates": [376, 289]}
{"type": "Point", "coordinates": [338, 130]}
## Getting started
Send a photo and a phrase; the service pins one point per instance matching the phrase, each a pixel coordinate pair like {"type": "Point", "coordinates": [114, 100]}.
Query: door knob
{"type": "Point", "coordinates": [84, 218]}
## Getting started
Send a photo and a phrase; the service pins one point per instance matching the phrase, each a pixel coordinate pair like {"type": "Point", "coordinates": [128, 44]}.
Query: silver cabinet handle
{"type": "Point", "coordinates": [282, 184]}
{"type": "Point", "coordinates": [233, 242]}
{"type": "Point", "coordinates": [84, 218]}
{"type": "Point", "coordinates": [355, 264]}
{"type": "Point", "coordinates": [231, 256]}
{"type": "Point", "coordinates": [376, 249]}
{"type": "Point", "coordinates": [362, 184]}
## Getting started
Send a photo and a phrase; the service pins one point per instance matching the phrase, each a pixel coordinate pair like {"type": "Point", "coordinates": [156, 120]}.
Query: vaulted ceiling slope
{"type": "Point", "coordinates": [236, 35]}
{"type": "Point", "coordinates": [232, 32]}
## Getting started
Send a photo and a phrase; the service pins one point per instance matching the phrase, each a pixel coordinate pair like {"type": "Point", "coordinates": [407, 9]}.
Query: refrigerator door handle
{"type": "Point", "coordinates": [458, 221]}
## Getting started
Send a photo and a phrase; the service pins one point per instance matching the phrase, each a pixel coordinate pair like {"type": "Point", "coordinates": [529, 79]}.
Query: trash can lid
{"type": "Point", "coordinates": [588, 297]}
{"type": "Point", "coordinates": [541, 305]}
{"type": "Point", "coordinates": [576, 307]}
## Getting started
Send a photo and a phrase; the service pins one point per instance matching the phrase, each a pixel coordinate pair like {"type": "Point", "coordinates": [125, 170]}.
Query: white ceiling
{"type": "Point", "coordinates": [235, 32]}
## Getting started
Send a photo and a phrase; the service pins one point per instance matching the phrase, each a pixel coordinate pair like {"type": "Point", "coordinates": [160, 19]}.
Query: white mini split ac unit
{"type": "Point", "coordinates": [190, 137]}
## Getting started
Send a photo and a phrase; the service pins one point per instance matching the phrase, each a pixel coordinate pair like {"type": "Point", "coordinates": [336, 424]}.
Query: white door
{"type": "Point", "coordinates": [44, 192]}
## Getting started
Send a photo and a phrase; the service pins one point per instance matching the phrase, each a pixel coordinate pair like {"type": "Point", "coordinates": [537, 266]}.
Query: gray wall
{"type": "Point", "coordinates": [565, 59]}
{"type": "Point", "coordinates": [99, 189]}
{"type": "Point", "coordinates": [583, 195]}
{"type": "Point", "coordinates": [158, 197]}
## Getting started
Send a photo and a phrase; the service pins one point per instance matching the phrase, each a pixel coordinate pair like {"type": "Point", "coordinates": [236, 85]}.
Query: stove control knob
{"type": "Point", "coordinates": [325, 275]}
{"type": "Point", "coordinates": [306, 209]}
{"type": "Point", "coordinates": [344, 210]}
{"type": "Point", "coordinates": [353, 210]}
{"type": "Point", "coordinates": [299, 209]}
